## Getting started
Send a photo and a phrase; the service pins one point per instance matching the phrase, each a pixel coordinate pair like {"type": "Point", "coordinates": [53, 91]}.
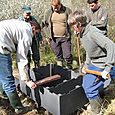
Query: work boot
{"type": "Point", "coordinates": [21, 111]}
{"type": "Point", "coordinates": [96, 106]}
{"type": "Point", "coordinates": [16, 103]}
{"type": "Point", "coordinates": [69, 65]}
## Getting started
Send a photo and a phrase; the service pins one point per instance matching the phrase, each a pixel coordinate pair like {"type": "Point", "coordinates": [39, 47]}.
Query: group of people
{"type": "Point", "coordinates": [23, 35]}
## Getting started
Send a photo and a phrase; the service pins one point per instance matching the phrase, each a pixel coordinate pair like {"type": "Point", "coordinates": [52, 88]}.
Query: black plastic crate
{"type": "Point", "coordinates": [63, 99]}
{"type": "Point", "coordinates": [60, 97]}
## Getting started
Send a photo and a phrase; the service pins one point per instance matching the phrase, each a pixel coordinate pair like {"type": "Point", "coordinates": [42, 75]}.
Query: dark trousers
{"type": "Point", "coordinates": [35, 50]}
{"type": "Point", "coordinates": [34, 53]}
{"type": "Point", "coordinates": [62, 49]}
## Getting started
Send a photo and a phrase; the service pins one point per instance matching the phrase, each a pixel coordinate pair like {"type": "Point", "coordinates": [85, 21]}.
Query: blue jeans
{"type": "Point", "coordinates": [91, 86]}
{"type": "Point", "coordinates": [6, 78]}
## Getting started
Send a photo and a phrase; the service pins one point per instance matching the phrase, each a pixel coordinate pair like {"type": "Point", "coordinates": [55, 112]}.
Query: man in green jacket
{"type": "Point", "coordinates": [36, 41]}
{"type": "Point", "coordinates": [58, 31]}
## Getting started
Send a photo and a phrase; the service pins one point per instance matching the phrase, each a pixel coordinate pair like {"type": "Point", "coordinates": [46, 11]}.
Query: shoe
{"type": "Point", "coordinates": [69, 66]}
{"type": "Point", "coordinates": [16, 103]}
{"type": "Point", "coordinates": [20, 111]}
{"type": "Point", "coordinates": [96, 105]}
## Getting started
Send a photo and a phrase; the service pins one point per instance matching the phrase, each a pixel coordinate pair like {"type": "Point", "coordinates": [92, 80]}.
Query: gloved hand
{"type": "Point", "coordinates": [104, 74]}
{"type": "Point", "coordinates": [83, 70]}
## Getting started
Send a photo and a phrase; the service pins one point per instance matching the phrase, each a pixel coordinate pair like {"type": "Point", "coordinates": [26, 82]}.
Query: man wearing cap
{"type": "Point", "coordinates": [58, 32]}
{"type": "Point", "coordinates": [15, 36]}
{"type": "Point", "coordinates": [97, 15]}
{"type": "Point", "coordinates": [34, 50]}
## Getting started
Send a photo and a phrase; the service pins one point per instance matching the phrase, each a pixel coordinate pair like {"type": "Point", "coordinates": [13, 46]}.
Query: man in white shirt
{"type": "Point", "coordinates": [15, 36]}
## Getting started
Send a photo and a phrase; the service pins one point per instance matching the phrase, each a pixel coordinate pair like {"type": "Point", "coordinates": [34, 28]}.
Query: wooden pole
{"type": "Point", "coordinates": [95, 73]}
{"type": "Point", "coordinates": [48, 79]}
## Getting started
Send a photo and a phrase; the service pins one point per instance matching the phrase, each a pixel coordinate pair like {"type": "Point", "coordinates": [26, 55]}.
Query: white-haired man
{"type": "Point", "coordinates": [100, 56]}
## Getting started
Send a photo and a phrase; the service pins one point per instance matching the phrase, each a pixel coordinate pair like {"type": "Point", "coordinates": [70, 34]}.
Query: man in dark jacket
{"type": "Point", "coordinates": [58, 32]}
{"type": "Point", "coordinates": [36, 41]}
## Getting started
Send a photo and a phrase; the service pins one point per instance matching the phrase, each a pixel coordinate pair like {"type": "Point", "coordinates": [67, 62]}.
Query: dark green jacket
{"type": "Point", "coordinates": [48, 24]}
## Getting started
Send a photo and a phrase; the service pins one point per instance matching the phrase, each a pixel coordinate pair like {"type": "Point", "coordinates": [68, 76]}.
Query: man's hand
{"type": "Point", "coordinates": [104, 74]}
{"type": "Point", "coordinates": [31, 84]}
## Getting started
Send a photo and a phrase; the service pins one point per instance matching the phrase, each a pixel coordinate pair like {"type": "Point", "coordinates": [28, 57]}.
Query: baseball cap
{"type": "Point", "coordinates": [92, 1]}
{"type": "Point", "coordinates": [26, 9]}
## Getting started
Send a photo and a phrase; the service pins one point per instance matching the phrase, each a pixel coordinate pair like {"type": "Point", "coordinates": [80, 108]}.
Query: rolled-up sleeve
{"type": "Point", "coordinates": [24, 44]}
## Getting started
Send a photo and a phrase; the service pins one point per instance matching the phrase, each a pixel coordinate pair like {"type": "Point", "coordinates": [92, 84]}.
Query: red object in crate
{"type": "Point", "coordinates": [48, 79]}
